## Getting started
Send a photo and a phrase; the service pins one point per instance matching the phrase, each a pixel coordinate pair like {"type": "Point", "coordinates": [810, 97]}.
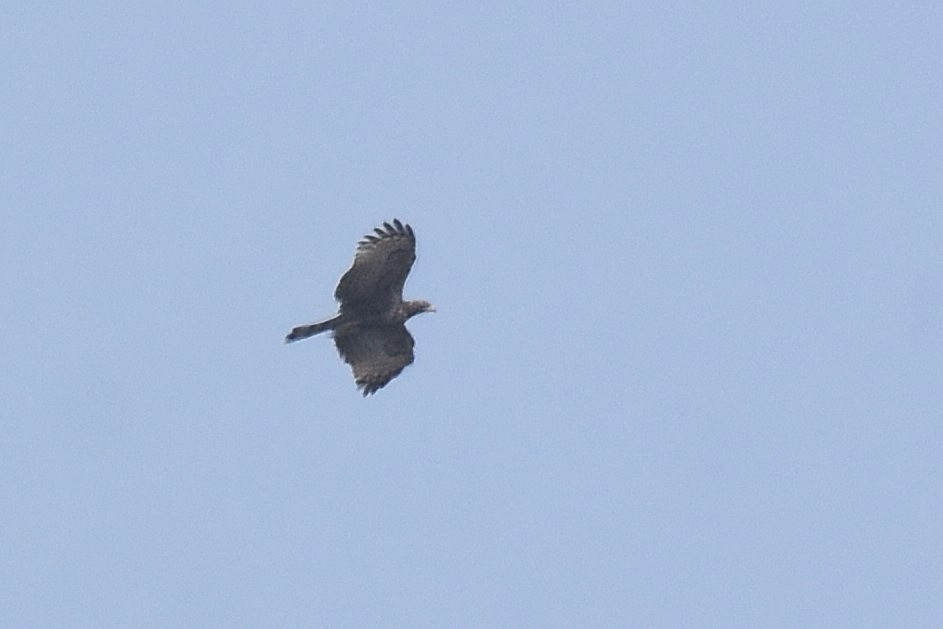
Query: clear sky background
{"type": "Point", "coordinates": [686, 368]}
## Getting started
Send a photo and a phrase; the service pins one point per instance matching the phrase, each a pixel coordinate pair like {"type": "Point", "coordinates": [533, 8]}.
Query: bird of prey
{"type": "Point", "coordinates": [369, 329]}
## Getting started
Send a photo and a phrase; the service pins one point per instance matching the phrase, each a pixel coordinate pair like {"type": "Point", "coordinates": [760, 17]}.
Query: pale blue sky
{"type": "Point", "coordinates": [686, 368]}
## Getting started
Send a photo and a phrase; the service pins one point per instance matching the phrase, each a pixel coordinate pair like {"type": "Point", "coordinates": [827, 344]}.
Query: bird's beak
{"type": "Point", "coordinates": [431, 308]}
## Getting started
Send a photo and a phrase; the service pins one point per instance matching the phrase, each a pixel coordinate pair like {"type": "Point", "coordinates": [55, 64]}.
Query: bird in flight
{"type": "Point", "coordinates": [369, 329]}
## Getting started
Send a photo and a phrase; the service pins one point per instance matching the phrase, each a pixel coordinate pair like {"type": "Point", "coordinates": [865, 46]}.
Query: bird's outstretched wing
{"type": "Point", "coordinates": [381, 264]}
{"type": "Point", "coordinates": [375, 353]}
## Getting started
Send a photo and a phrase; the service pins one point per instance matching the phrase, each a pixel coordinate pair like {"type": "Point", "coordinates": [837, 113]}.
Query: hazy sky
{"type": "Point", "coordinates": [685, 369]}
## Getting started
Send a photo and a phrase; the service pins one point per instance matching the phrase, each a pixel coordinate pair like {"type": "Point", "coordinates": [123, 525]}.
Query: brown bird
{"type": "Point", "coordinates": [369, 329]}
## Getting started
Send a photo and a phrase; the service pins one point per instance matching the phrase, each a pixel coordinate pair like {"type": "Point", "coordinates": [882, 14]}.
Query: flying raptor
{"type": "Point", "coordinates": [369, 329]}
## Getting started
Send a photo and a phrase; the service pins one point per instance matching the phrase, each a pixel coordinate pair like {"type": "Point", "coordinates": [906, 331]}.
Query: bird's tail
{"type": "Point", "coordinates": [304, 331]}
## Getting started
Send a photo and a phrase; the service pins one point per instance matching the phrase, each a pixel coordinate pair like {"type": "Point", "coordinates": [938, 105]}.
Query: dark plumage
{"type": "Point", "coordinates": [369, 330]}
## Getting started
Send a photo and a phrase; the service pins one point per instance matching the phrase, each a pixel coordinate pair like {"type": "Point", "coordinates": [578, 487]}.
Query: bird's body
{"type": "Point", "coordinates": [369, 330]}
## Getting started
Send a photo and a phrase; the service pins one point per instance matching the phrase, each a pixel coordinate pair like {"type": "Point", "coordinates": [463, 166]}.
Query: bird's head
{"type": "Point", "coordinates": [425, 306]}
{"type": "Point", "coordinates": [411, 308]}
